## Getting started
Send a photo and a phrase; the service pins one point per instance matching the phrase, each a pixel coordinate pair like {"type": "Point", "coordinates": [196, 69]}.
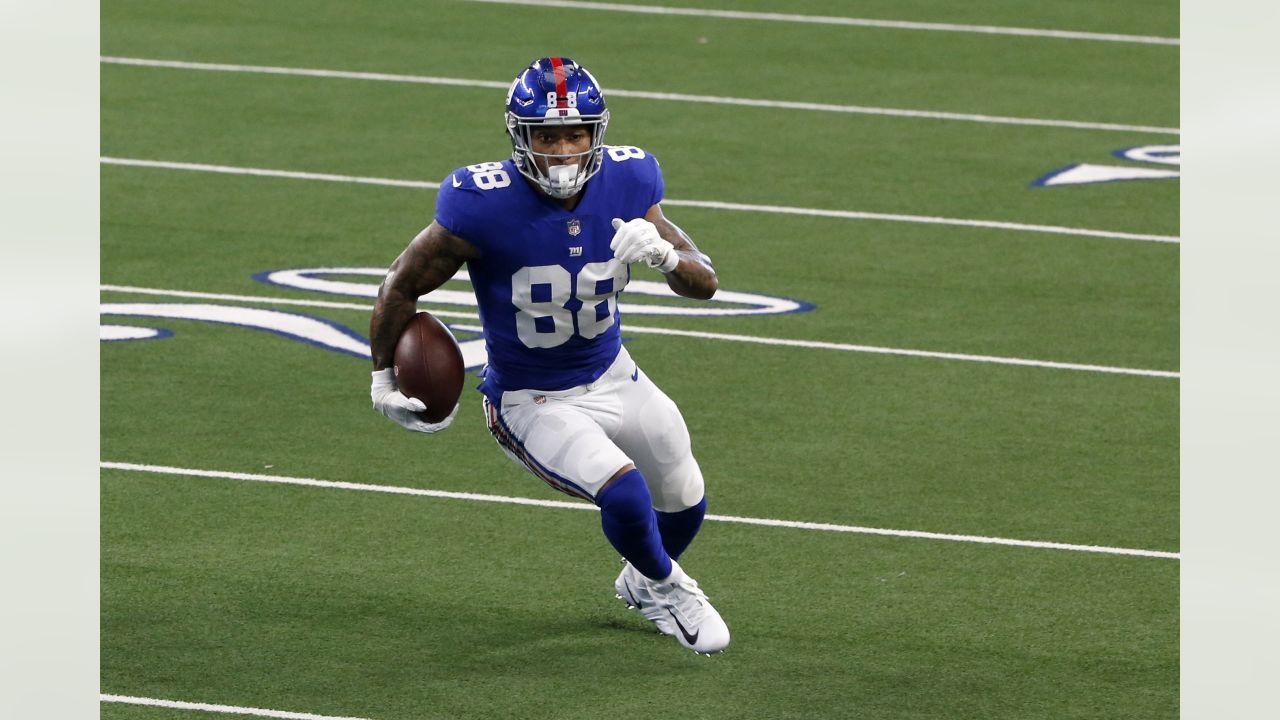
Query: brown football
{"type": "Point", "coordinates": [428, 365]}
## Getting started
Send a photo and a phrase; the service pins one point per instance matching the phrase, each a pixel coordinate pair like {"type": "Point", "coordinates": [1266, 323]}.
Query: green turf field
{"type": "Point", "coordinates": [1008, 372]}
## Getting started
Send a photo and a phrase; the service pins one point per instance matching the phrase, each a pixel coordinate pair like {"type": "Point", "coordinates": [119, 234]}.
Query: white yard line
{"type": "Point", "coordinates": [643, 330]}
{"type": "Point", "coordinates": [262, 299]}
{"type": "Point", "coordinates": [262, 172]}
{"type": "Point", "coordinates": [706, 204]}
{"type": "Point", "coordinates": [845, 347]}
{"type": "Point", "coordinates": [767, 522]}
{"type": "Point", "coordinates": [835, 20]}
{"type": "Point", "coordinates": [226, 709]}
{"type": "Point", "coordinates": [648, 95]}
{"type": "Point", "coordinates": [921, 219]}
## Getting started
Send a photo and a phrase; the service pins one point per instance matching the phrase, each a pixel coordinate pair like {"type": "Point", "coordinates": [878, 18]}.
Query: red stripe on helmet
{"type": "Point", "coordinates": [557, 67]}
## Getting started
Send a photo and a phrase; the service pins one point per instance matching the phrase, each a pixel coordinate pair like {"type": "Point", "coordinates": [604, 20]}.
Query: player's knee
{"type": "Point", "coordinates": [679, 489]}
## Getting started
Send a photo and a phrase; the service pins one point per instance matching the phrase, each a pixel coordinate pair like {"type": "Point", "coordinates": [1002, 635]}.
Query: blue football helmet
{"type": "Point", "coordinates": [556, 91]}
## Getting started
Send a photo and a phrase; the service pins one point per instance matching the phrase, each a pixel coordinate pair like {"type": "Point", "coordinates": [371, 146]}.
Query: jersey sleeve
{"type": "Point", "coordinates": [458, 207]}
{"type": "Point", "coordinates": [655, 172]}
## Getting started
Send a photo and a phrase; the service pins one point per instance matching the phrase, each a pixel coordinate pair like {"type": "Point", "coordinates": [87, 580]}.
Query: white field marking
{"type": "Point", "coordinates": [766, 522]}
{"type": "Point", "coordinates": [111, 333]}
{"type": "Point", "coordinates": [820, 345]}
{"type": "Point", "coordinates": [830, 20]}
{"type": "Point", "coordinates": [647, 95]}
{"type": "Point", "coordinates": [923, 219]}
{"type": "Point", "coordinates": [707, 204]}
{"type": "Point", "coordinates": [260, 172]}
{"type": "Point", "coordinates": [227, 709]}
{"type": "Point", "coordinates": [271, 300]}
{"type": "Point", "coordinates": [642, 330]}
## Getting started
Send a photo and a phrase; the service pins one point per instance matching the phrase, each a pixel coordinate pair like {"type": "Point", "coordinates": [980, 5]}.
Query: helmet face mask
{"type": "Point", "coordinates": [556, 92]}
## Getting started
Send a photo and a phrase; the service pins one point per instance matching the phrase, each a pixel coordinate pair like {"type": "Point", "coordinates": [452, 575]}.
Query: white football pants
{"type": "Point", "coordinates": [576, 439]}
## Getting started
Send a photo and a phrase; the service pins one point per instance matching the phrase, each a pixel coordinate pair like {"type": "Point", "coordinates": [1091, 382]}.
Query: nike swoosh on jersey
{"type": "Point", "coordinates": [635, 376]}
{"type": "Point", "coordinates": [691, 639]}
{"type": "Point", "coordinates": [455, 181]}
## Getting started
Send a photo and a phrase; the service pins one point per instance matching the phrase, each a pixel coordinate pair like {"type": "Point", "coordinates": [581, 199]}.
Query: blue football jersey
{"type": "Point", "coordinates": [546, 281]}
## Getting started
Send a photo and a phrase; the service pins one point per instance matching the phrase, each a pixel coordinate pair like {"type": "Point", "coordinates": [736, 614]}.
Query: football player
{"type": "Point", "coordinates": [549, 238]}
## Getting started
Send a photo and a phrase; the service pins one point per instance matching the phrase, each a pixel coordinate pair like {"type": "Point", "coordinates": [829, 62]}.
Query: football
{"type": "Point", "coordinates": [428, 365]}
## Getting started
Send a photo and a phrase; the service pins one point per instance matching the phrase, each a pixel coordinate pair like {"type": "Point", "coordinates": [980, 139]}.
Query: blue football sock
{"type": "Point", "coordinates": [627, 516]}
{"type": "Point", "coordinates": [679, 528]}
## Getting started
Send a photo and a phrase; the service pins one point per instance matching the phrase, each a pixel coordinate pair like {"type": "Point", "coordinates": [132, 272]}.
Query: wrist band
{"type": "Point", "coordinates": [670, 262]}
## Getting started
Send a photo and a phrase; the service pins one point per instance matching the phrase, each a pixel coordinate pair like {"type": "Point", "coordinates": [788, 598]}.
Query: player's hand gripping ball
{"type": "Point", "coordinates": [428, 366]}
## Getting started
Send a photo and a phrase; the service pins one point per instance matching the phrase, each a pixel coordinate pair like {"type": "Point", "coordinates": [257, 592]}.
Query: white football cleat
{"type": "Point", "coordinates": [633, 589]}
{"type": "Point", "coordinates": [697, 624]}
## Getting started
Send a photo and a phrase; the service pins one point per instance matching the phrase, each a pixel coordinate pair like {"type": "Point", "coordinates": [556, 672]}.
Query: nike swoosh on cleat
{"type": "Point", "coordinates": [630, 593]}
{"type": "Point", "coordinates": [691, 639]}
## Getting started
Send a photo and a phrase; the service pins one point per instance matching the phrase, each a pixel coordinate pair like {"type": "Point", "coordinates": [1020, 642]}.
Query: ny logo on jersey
{"type": "Point", "coordinates": [575, 227]}
{"type": "Point", "coordinates": [575, 251]}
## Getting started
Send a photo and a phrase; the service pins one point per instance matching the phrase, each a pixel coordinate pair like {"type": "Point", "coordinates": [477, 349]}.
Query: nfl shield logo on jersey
{"type": "Point", "coordinates": [575, 227]}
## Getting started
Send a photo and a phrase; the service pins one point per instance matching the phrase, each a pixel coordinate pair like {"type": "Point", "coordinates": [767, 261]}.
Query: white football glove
{"type": "Point", "coordinates": [403, 410]}
{"type": "Point", "coordinates": [637, 240]}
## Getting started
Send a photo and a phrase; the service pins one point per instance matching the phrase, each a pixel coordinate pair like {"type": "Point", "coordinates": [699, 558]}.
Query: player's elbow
{"type": "Point", "coordinates": [707, 283]}
{"type": "Point", "coordinates": [704, 289]}
{"type": "Point", "coordinates": [712, 285]}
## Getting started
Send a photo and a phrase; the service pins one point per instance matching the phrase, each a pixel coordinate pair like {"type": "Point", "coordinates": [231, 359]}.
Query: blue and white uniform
{"type": "Point", "coordinates": [546, 281]}
{"type": "Point", "coordinates": [562, 396]}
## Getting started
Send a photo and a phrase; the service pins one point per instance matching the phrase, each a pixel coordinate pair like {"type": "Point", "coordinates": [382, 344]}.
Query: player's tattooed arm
{"type": "Point", "coordinates": [427, 263]}
{"type": "Point", "coordinates": [693, 277]}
